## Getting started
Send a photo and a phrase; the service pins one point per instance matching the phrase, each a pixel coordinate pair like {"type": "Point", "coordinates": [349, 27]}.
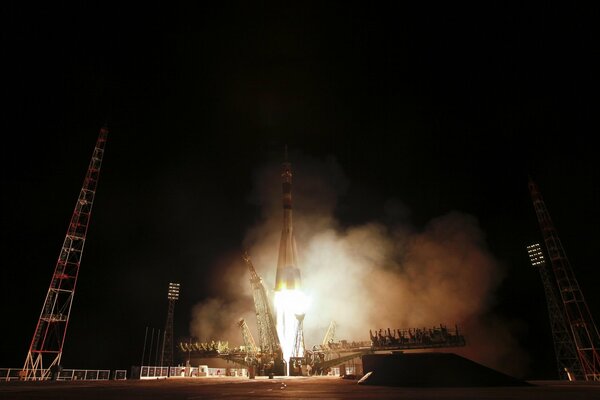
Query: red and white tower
{"type": "Point", "coordinates": [46, 346]}
{"type": "Point", "coordinates": [578, 316]}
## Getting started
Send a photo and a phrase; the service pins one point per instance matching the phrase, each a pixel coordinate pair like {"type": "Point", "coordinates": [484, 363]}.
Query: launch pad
{"type": "Point", "coordinates": [321, 358]}
{"type": "Point", "coordinates": [280, 321]}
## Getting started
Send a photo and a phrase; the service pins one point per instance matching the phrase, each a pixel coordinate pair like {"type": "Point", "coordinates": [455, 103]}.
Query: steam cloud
{"type": "Point", "coordinates": [369, 276]}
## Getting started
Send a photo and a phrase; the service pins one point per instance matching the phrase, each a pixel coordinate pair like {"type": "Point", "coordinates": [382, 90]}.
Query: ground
{"type": "Point", "coordinates": [280, 387]}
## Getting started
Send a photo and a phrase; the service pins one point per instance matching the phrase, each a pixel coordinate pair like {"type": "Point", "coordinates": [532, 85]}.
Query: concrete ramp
{"type": "Point", "coordinates": [431, 370]}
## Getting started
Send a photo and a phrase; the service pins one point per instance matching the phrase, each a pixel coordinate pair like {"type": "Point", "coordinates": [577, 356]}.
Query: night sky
{"type": "Point", "coordinates": [439, 107]}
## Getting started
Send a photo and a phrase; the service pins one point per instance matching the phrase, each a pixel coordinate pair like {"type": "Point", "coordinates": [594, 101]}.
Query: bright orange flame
{"type": "Point", "coordinates": [288, 304]}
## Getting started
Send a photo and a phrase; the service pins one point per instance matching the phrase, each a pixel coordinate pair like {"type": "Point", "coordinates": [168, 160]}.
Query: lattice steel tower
{"type": "Point", "coordinates": [567, 362]}
{"type": "Point", "coordinates": [249, 343]}
{"type": "Point", "coordinates": [578, 316]}
{"type": "Point", "coordinates": [166, 357]}
{"type": "Point", "coordinates": [46, 347]}
{"type": "Point", "coordinates": [267, 332]}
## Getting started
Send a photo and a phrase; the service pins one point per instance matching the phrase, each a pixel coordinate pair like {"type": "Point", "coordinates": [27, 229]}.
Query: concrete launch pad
{"type": "Point", "coordinates": [280, 387]}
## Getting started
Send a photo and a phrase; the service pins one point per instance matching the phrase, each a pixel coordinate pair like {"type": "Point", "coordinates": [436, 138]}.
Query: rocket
{"type": "Point", "coordinates": [288, 273]}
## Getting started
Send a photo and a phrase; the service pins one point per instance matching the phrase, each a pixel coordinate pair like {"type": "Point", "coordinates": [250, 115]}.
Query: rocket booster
{"type": "Point", "coordinates": [288, 273]}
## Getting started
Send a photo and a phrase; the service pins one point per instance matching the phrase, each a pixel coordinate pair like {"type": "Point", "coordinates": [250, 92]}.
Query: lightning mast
{"type": "Point", "coordinates": [46, 347]}
{"type": "Point", "coordinates": [567, 361]}
{"type": "Point", "coordinates": [578, 316]}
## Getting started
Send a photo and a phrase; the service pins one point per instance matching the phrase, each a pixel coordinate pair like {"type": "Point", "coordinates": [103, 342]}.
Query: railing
{"type": "Point", "coordinates": [416, 338]}
{"type": "Point", "coordinates": [120, 375]}
{"type": "Point", "coordinates": [84, 374]}
{"type": "Point", "coordinates": [335, 371]}
{"type": "Point", "coordinates": [10, 374]}
{"type": "Point", "coordinates": [151, 372]}
{"type": "Point", "coordinates": [14, 374]}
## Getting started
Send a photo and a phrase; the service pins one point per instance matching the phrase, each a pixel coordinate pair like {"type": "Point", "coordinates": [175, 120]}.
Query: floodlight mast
{"type": "Point", "coordinates": [576, 311]}
{"type": "Point", "coordinates": [166, 358]}
{"type": "Point", "coordinates": [567, 362]}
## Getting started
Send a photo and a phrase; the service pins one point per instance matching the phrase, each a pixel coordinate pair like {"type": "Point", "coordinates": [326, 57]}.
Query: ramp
{"type": "Point", "coordinates": [431, 370]}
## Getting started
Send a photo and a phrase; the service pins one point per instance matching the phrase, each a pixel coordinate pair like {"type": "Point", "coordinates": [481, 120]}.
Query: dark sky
{"type": "Point", "coordinates": [443, 107]}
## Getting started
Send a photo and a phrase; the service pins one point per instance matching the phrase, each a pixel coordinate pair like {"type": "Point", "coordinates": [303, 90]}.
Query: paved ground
{"type": "Point", "coordinates": [289, 387]}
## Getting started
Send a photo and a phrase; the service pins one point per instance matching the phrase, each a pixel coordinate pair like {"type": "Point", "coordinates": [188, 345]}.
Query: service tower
{"type": "Point", "coordinates": [289, 299]}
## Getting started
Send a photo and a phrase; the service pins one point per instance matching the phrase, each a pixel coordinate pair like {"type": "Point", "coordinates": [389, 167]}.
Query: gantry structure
{"type": "Point", "coordinates": [267, 332]}
{"type": "Point", "coordinates": [331, 352]}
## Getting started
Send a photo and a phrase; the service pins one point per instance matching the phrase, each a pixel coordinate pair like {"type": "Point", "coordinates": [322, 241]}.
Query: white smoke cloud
{"type": "Point", "coordinates": [372, 275]}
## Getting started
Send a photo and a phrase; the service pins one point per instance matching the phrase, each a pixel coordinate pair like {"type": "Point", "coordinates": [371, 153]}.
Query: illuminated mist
{"type": "Point", "coordinates": [367, 276]}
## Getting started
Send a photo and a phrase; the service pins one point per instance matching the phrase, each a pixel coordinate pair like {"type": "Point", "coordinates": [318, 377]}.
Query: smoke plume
{"type": "Point", "coordinates": [370, 275]}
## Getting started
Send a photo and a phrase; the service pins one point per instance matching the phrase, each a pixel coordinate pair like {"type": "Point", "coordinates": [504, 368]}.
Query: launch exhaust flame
{"type": "Point", "coordinates": [289, 304]}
